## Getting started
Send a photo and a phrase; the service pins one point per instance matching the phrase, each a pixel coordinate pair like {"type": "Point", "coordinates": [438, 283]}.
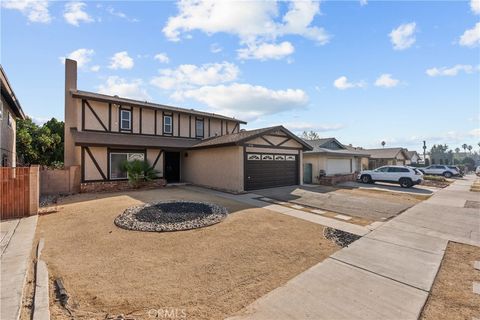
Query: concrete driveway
{"type": "Point", "coordinates": [367, 204]}
{"type": "Point", "coordinates": [380, 186]}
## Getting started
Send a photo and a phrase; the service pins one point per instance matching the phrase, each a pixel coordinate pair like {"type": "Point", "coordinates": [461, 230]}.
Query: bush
{"type": "Point", "coordinates": [138, 171]}
{"type": "Point", "coordinates": [434, 178]}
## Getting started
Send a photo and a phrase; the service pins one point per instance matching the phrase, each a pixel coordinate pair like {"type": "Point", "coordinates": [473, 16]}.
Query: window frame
{"type": "Point", "coordinates": [10, 119]}
{"type": "Point", "coordinates": [165, 116]}
{"type": "Point", "coordinates": [197, 121]}
{"type": "Point", "coordinates": [130, 120]}
{"type": "Point", "coordinates": [126, 153]}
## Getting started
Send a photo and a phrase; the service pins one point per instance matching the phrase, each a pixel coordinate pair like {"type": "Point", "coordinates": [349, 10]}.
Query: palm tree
{"type": "Point", "coordinates": [470, 149]}
{"type": "Point", "coordinates": [383, 144]}
{"type": "Point", "coordinates": [465, 146]}
{"type": "Point", "coordinates": [457, 150]}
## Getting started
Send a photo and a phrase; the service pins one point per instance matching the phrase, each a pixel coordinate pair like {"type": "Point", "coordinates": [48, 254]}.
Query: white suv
{"type": "Point", "coordinates": [405, 176]}
{"type": "Point", "coordinates": [442, 170]}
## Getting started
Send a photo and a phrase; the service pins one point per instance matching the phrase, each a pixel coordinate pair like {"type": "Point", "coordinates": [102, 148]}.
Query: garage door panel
{"type": "Point", "coordinates": [262, 174]}
{"type": "Point", "coordinates": [338, 166]}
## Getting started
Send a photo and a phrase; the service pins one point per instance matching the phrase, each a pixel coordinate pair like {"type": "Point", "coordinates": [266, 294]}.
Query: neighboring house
{"type": "Point", "coordinates": [330, 157]}
{"type": "Point", "coordinates": [387, 156]}
{"type": "Point", "coordinates": [101, 132]}
{"type": "Point", "coordinates": [10, 110]}
{"type": "Point", "coordinates": [413, 157]}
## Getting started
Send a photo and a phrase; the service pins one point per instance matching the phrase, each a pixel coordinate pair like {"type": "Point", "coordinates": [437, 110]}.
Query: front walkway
{"type": "Point", "coordinates": [388, 273]}
{"type": "Point", "coordinates": [15, 248]}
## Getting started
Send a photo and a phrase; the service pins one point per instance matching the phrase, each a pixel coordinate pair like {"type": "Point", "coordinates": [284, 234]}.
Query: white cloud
{"type": "Point", "coordinates": [215, 48]}
{"type": "Point", "coordinates": [74, 13]}
{"type": "Point", "coordinates": [121, 60]}
{"type": "Point", "coordinates": [475, 133]}
{"type": "Point", "coordinates": [265, 51]}
{"type": "Point", "coordinates": [34, 10]}
{"type": "Point", "coordinates": [385, 80]}
{"type": "Point", "coordinates": [39, 120]}
{"type": "Point", "coordinates": [188, 75]}
{"type": "Point", "coordinates": [83, 56]}
{"type": "Point", "coordinates": [123, 88]}
{"type": "Point", "coordinates": [452, 71]}
{"type": "Point", "coordinates": [363, 2]}
{"type": "Point", "coordinates": [471, 37]}
{"type": "Point", "coordinates": [120, 14]}
{"type": "Point", "coordinates": [403, 36]}
{"type": "Point", "coordinates": [162, 57]}
{"type": "Point", "coordinates": [246, 101]}
{"type": "Point", "coordinates": [475, 6]}
{"type": "Point", "coordinates": [95, 68]}
{"type": "Point", "coordinates": [308, 126]}
{"type": "Point", "coordinates": [254, 22]}
{"type": "Point", "coordinates": [342, 83]}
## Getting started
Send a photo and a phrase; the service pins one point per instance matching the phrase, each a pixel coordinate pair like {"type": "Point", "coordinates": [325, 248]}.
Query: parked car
{"type": "Point", "coordinates": [477, 171]}
{"type": "Point", "coordinates": [405, 176]}
{"type": "Point", "coordinates": [438, 169]}
{"type": "Point", "coordinates": [460, 171]}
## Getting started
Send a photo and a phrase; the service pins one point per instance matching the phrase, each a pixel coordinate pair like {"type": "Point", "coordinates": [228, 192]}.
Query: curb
{"type": "Point", "coordinates": [41, 301]}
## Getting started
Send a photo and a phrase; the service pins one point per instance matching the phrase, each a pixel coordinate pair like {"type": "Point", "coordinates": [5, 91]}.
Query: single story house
{"type": "Point", "coordinates": [330, 157]}
{"type": "Point", "coordinates": [183, 145]}
{"type": "Point", "coordinates": [387, 156]}
{"type": "Point", "coordinates": [10, 111]}
{"type": "Point", "coordinates": [413, 156]}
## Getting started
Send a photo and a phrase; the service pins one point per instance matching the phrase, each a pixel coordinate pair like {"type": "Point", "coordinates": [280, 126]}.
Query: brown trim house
{"type": "Point", "coordinates": [187, 145]}
{"type": "Point", "coordinates": [10, 110]}
{"type": "Point", "coordinates": [329, 157]}
{"type": "Point", "coordinates": [387, 156]}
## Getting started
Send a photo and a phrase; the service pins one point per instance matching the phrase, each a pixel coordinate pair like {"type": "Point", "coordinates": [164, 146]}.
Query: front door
{"type": "Point", "coordinates": [172, 166]}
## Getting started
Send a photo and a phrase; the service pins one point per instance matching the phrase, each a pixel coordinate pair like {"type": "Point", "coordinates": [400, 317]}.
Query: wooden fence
{"type": "Point", "coordinates": [19, 192]}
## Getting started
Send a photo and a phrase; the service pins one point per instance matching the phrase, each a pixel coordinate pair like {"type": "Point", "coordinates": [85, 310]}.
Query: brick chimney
{"type": "Point", "coordinates": [71, 113]}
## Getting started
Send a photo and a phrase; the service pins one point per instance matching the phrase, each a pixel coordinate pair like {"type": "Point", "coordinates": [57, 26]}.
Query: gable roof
{"type": "Point", "coordinates": [130, 102]}
{"type": "Point", "coordinates": [412, 153]}
{"type": "Point", "coordinates": [9, 95]}
{"type": "Point", "coordinates": [386, 153]}
{"type": "Point", "coordinates": [241, 137]}
{"type": "Point", "coordinates": [322, 143]}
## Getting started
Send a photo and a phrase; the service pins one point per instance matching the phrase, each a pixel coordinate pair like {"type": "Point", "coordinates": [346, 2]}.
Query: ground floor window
{"type": "Point", "coordinates": [117, 160]}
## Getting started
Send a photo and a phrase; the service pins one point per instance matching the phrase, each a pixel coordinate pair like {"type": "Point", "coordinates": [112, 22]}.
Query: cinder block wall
{"type": "Point", "coordinates": [60, 181]}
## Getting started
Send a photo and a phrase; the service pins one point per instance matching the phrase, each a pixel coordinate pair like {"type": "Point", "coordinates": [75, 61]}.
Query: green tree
{"type": "Point", "coordinates": [138, 171]}
{"type": "Point", "coordinates": [40, 144]}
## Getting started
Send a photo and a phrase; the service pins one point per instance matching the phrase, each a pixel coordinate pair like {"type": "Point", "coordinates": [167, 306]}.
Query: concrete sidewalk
{"type": "Point", "coordinates": [16, 247]}
{"type": "Point", "coordinates": [386, 274]}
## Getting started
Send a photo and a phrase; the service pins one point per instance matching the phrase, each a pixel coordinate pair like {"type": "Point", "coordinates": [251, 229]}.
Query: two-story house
{"type": "Point", "coordinates": [102, 132]}
{"type": "Point", "coordinates": [10, 110]}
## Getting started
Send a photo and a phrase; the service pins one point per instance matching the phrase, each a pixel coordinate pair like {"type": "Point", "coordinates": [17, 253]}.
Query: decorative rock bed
{"type": "Point", "coordinates": [171, 216]}
{"type": "Point", "coordinates": [341, 238]}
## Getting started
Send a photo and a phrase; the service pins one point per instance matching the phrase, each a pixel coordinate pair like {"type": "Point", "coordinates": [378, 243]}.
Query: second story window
{"type": "Point", "coordinates": [125, 119]}
{"type": "Point", "coordinates": [167, 124]}
{"type": "Point", "coordinates": [199, 133]}
{"type": "Point", "coordinates": [10, 120]}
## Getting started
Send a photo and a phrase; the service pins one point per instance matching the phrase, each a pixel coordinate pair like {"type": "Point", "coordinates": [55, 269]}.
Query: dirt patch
{"type": "Point", "coordinates": [452, 296]}
{"type": "Point", "coordinates": [207, 273]}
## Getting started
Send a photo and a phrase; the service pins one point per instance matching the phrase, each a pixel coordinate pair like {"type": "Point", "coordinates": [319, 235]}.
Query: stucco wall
{"type": "Point", "coordinates": [220, 168]}
{"type": "Point", "coordinates": [7, 136]}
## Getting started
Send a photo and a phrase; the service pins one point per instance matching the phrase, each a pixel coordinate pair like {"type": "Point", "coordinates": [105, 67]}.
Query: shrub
{"type": "Point", "coordinates": [138, 171]}
{"type": "Point", "coordinates": [434, 178]}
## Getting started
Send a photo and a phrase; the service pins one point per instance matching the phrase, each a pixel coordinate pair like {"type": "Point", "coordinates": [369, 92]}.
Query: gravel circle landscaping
{"type": "Point", "coordinates": [171, 216]}
{"type": "Point", "coordinates": [341, 238]}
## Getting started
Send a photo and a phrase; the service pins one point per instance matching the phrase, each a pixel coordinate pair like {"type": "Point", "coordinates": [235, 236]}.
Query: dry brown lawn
{"type": "Point", "coordinates": [452, 296]}
{"type": "Point", "coordinates": [210, 272]}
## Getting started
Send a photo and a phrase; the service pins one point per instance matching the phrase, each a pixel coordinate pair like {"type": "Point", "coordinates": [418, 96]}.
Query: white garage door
{"type": "Point", "coordinates": [338, 166]}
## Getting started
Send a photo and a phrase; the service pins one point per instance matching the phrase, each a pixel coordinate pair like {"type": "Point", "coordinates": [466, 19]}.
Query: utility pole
{"type": "Point", "coordinates": [424, 153]}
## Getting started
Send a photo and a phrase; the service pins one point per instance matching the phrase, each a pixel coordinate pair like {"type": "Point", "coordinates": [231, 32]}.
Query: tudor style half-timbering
{"type": "Point", "coordinates": [102, 132]}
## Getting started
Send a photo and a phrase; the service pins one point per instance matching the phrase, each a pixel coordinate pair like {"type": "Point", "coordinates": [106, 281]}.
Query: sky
{"type": "Point", "coordinates": [361, 71]}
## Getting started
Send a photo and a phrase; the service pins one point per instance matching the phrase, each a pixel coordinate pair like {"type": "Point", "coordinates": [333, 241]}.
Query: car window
{"type": "Point", "coordinates": [393, 169]}
{"type": "Point", "coordinates": [383, 169]}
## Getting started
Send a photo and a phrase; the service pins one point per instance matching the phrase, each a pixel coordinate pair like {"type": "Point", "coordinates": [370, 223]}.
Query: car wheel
{"type": "Point", "coordinates": [406, 183]}
{"type": "Point", "coordinates": [447, 174]}
{"type": "Point", "coordinates": [366, 179]}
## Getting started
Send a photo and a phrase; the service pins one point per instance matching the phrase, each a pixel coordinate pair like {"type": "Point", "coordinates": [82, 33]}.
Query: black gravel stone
{"type": "Point", "coordinates": [171, 216]}
{"type": "Point", "coordinates": [341, 238]}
